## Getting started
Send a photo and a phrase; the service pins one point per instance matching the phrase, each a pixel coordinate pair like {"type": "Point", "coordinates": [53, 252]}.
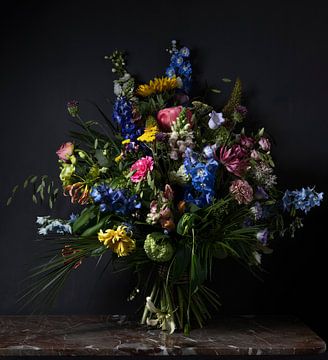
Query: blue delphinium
{"type": "Point", "coordinates": [115, 200]}
{"type": "Point", "coordinates": [180, 66]}
{"type": "Point", "coordinates": [304, 199]}
{"type": "Point", "coordinates": [203, 175]}
{"type": "Point", "coordinates": [122, 115]}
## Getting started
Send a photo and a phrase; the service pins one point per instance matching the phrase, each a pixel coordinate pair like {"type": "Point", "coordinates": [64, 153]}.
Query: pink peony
{"type": "Point", "coordinates": [265, 144]}
{"type": "Point", "coordinates": [65, 151]}
{"type": "Point", "coordinates": [234, 159]}
{"type": "Point", "coordinates": [167, 117]}
{"type": "Point", "coordinates": [141, 168]}
{"type": "Point", "coordinates": [241, 191]}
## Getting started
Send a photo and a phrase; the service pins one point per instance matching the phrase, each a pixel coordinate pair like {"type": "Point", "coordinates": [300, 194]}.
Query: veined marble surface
{"type": "Point", "coordinates": [113, 335]}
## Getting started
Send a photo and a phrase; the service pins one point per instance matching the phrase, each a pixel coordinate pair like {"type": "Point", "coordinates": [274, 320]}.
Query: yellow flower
{"type": "Point", "coordinates": [117, 240]}
{"type": "Point", "coordinates": [157, 85]}
{"type": "Point", "coordinates": [149, 134]}
{"type": "Point", "coordinates": [118, 158]}
{"type": "Point", "coordinates": [126, 141]}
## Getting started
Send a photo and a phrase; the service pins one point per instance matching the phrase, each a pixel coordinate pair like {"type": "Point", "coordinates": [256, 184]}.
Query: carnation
{"type": "Point", "coordinates": [241, 191]}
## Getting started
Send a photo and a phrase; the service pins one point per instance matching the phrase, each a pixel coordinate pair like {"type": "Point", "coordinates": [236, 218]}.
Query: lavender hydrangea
{"type": "Point", "coordinates": [304, 199]}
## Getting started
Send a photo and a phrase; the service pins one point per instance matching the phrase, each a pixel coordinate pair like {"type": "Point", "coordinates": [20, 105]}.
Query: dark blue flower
{"type": "Point", "coordinates": [184, 52]}
{"type": "Point", "coordinates": [115, 200]}
{"type": "Point", "coordinates": [122, 115]}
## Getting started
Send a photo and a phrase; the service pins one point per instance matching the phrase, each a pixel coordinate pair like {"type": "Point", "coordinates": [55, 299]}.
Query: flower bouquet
{"type": "Point", "coordinates": [168, 185]}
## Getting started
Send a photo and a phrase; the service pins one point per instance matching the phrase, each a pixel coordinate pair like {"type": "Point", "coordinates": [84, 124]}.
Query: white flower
{"type": "Point", "coordinates": [117, 88]}
{"type": "Point", "coordinates": [41, 219]}
{"type": "Point", "coordinates": [257, 257]}
{"type": "Point", "coordinates": [216, 120]}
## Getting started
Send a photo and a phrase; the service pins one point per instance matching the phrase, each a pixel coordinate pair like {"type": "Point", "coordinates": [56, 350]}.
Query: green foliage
{"type": "Point", "coordinates": [43, 190]}
{"type": "Point", "coordinates": [234, 101]}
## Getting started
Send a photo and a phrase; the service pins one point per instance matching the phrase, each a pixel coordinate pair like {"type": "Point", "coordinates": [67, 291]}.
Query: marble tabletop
{"type": "Point", "coordinates": [114, 335]}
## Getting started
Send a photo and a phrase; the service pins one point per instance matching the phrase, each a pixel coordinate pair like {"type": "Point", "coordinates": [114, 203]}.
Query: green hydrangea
{"type": "Point", "coordinates": [158, 248]}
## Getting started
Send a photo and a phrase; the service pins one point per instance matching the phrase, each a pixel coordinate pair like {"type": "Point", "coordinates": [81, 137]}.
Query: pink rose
{"type": "Point", "coordinates": [65, 151]}
{"type": "Point", "coordinates": [167, 117]}
{"type": "Point", "coordinates": [241, 191]}
{"type": "Point", "coordinates": [141, 168]}
{"type": "Point", "coordinates": [264, 144]}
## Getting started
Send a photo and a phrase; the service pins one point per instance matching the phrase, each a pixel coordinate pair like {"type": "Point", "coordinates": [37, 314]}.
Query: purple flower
{"type": "Point", "coordinates": [262, 236]}
{"type": "Point", "coordinates": [216, 120]}
{"type": "Point", "coordinates": [260, 194]}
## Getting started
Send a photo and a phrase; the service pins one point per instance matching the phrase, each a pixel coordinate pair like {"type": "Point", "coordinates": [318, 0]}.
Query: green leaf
{"type": "Point", "coordinates": [15, 189]}
{"type": "Point", "coordinates": [9, 201]}
{"type": "Point", "coordinates": [33, 179]}
{"type": "Point", "coordinates": [96, 143]}
{"type": "Point", "coordinates": [93, 230]}
{"type": "Point", "coordinates": [181, 262]}
{"type": "Point", "coordinates": [35, 200]}
{"type": "Point", "coordinates": [86, 216]}
{"type": "Point", "coordinates": [101, 158]}
{"type": "Point", "coordinates": [216, 91]}
{"type": "Point", "coordinates": [226, 80]}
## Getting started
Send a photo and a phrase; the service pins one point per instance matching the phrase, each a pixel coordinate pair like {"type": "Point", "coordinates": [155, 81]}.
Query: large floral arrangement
{"type": "Point", "coordinates": [167, 185]}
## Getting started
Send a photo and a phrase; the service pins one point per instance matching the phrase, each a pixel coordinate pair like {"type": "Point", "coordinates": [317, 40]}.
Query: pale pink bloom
{"type": "Point", "coordinates": [234, 159]}
{"type": "Point", "coordinates": [265, 144]}
{"type": "Point", "coordinates": [241, 191]}
{"type": "Point", "coordinates": [141, 168]}
{"type": "Point", "coordinates": [255, 155]}
{"type": "Point", "coordinates": [65, 151]}
{"type": "Point", "coordinates": [167, 117]}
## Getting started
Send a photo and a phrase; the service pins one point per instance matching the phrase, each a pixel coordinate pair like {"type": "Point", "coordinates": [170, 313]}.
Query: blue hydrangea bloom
{"type": "Point", "coordinates": [115, 200]}
{"type": "Point", "coordinates": [304, 199]}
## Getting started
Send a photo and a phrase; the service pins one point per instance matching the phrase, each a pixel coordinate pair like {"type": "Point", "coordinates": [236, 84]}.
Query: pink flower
{"type": "Point", "coordinates": [255, 155]}
{"type": "Point", "coordinates": [141, 168]}
{"type": "Point", "coordinates": [168, 192]}
{"type": "Point", "coordinates": [65, 151]}
{"type": "Point", "coordinates": [246, 142]}
{"type": "Point", "coordinates": [234, 159]}
{"type": "Point", "coordinates": [241, 191]}
{"type": "Point", "coordinates": [167, 117]}
{"type": "Point", "coordinates": [265, 144]}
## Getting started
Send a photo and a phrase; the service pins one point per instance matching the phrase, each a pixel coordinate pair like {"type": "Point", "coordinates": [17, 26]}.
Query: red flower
{"type": "Point", "coordinates": [234, 159]}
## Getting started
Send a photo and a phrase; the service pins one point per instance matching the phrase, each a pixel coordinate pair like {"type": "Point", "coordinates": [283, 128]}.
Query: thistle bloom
{"type": "Point", "coordinates": [73, 108]}
{"type": "Point", "coordinates": [117, 240]}
{"type": "Point", "coordinates": [216, 120]}
{"type": "Point", "coordinates": [241, 191]}
{"type": "Point", "coordinates": [65, 151]}
{"type": "Point", "coordinates": [158, 85]}
{"type": "Point", "coordinates": [141, 168]}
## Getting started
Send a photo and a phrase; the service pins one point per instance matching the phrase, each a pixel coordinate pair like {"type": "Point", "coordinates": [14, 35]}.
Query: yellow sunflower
{"type": "Point", "coordinates": [157, 85]}
{"type": "Point", "coordinates": [117, 240]}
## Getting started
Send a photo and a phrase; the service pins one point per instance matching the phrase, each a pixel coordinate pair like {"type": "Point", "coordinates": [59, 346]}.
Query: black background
{"type": "Point", "coordinates": [52, 52]}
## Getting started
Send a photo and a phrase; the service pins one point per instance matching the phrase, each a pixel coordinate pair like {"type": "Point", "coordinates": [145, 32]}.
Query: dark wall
{"type": "Point", "coordinates": [52, 52]}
